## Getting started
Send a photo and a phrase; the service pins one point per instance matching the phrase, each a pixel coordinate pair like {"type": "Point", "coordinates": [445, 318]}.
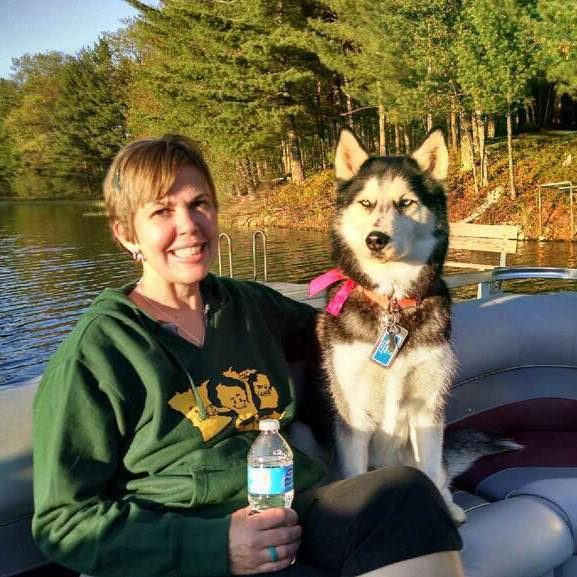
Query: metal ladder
{"type": "Point", "coordinates": [255, 236]}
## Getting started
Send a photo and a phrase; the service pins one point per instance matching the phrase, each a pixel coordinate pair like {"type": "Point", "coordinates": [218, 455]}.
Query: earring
{"type": "Point", "coordinates": [137, 255]}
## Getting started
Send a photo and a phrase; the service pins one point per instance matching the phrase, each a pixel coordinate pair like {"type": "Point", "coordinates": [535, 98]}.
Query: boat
{"type": "Point", "coordinates": [517, 375]}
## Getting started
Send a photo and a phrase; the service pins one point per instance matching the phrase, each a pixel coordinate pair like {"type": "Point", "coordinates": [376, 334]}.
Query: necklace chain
{"type": "Point", "coordinates": [157, 309]}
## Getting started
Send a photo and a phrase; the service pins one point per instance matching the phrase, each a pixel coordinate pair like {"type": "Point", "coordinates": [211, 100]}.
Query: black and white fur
{"type": "Point", "coordinates": [390, 234]}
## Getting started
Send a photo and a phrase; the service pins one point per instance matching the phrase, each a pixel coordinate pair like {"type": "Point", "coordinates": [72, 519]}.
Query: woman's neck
{"type": "Point", "coordinates": [174, 296]}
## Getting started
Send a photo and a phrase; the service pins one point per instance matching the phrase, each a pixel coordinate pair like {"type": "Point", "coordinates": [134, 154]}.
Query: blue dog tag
{"type": "Point", "coordinates": [385, 352]}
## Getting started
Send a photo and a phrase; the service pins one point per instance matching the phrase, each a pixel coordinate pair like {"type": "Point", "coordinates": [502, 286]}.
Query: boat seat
{"type": "Point", "coordinates": [517, 537]}
{"type": "Point", "coordinates": [518, 376]}
{"type": "Point", "coordinates": [17, 549]}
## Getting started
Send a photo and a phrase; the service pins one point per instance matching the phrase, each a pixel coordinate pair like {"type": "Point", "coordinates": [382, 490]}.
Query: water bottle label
{"type": "Point", "coordinates": [270, 481]}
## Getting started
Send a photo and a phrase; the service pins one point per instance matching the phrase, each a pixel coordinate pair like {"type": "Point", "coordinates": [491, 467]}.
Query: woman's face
{"type": "Point", "coordinates": [178, 235]}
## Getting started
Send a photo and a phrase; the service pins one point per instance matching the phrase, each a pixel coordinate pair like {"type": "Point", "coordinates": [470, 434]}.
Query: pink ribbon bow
{"type": "Point", "coordinates": [325, 280]}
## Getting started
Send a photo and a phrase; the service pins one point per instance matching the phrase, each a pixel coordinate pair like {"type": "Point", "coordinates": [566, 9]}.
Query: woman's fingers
{"type": "Point", "coordinates": [283, 553]}
{"type": "Point", "coordinates": [272, 518]}
{"type": "Point", "coordinates": [280, 536]}
{"type": "Point", "coordinates": [253, 537]}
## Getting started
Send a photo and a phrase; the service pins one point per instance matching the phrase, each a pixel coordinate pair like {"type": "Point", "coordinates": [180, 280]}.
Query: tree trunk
{"type": "Point", "coordinates": [284, 158]}
{"type": "Point", "coordinates": [469, 148]}
{"type": "Point", "coordinates": [513, 192]}
{"type": "Point", "coordinates": [481, 135]}
{"type": "Point", "coordinates": [351, 122]}
{"type": "Point", "coordinates": [429, 122]}
{"type": "Point", "coordinates": [407, 137]}
{"type": "Point", "coordinates": [297, 170]}
{"type": "Point", "coordinates": [557, 109]}
{"type": "Point", "coordinates": [491, 127]}
{"type": "Point", "coordinates": [397, 139]}
{"type": "Point", "coordinates": [454, 129]}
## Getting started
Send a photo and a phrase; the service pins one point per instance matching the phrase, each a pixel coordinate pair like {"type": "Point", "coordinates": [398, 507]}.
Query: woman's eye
{"type": "Point", "coordinates": [406, 202]}
{"type": "Point", "coordinates": [366, 204]}
{"type": "Point", "coordinates": [160, 212]}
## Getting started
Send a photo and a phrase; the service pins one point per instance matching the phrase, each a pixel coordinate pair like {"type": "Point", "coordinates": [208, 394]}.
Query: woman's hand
{"type": "Point", "coordinates": [250, 536]}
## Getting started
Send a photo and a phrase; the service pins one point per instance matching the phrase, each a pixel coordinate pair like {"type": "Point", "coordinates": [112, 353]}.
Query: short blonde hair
{"type": "Point", "coordinates": [144, 170]}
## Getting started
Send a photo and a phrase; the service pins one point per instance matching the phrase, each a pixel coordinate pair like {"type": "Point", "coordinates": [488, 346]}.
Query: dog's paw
{"type": "Point", "coordinates": [458, 514]}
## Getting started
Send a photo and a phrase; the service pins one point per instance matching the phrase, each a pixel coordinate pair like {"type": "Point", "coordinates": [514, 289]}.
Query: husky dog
{"type": "Point", "coordinates": [387, 351]}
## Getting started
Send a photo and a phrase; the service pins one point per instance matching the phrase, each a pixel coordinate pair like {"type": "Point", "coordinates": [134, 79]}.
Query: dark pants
{"type": "Point", "coordinates": [357, 525]}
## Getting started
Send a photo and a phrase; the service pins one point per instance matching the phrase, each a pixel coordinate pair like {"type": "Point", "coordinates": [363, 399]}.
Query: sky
{"type": "Point", "coordinates": [33, 26]}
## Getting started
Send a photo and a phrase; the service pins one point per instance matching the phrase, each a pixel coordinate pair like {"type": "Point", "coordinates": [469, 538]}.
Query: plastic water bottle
{"type": "Point", "coordinates": [270, 469]}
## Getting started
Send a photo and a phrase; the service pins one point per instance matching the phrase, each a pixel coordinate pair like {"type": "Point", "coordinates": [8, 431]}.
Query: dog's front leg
{"type": "Point", "coordinates": [352, 450]}
{"type": "Point", "coordinates": [427, 443]}
{"type": "Point", "coordinates": [429, 385]}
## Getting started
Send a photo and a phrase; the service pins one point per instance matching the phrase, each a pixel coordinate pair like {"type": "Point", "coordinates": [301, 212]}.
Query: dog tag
{"type": "Point", "coordinates": [382, 354]}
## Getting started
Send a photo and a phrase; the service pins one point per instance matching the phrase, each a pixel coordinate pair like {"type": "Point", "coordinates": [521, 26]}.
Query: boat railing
{"type": "Point", "coordinates": [489, 282]}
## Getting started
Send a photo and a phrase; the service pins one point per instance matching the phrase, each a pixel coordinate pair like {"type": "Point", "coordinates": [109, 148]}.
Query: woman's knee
{"type": "Point", "coordinates": [404, 488]}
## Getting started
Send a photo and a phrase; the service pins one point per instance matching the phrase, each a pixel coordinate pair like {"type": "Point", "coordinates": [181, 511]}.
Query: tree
{"type": "Point", "coordinates": [90, 123]}
{"type": "Point", "coordinates": [30, 124]}
{"type": "Point", "coordinates": [497, 59]}
{"type": "Point", "coordinates": [231, 75]}
{"type": "Point", "coordinates": [9, 160]}
{"type": "Point", "coordinates": [556, 32]}
{"type": "Point", "coordinates": [395, 56]}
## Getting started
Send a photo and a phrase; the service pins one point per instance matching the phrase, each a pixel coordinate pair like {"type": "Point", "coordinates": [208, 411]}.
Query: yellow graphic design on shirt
{"type": "Point", "coordinates": [238, 399]}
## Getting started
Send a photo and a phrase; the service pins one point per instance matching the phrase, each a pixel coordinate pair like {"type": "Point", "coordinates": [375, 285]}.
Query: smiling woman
{"type": "Point", "coordinates": [159, 391]}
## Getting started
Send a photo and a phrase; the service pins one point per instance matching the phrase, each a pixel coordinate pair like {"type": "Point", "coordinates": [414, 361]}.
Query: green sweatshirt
{"type": "Point", "coordinates": [141, 438]}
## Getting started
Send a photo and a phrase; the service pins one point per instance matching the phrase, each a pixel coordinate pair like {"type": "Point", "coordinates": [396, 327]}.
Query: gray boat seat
{"type": "Point", "coordinates": [518, 376]}
{"type": "Point", "coordinates": [517, 537]}
{"type": "Point", "coordinates": [17, 549]}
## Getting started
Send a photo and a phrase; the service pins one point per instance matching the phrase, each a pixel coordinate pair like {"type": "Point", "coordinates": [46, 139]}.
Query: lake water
{"type": "Point", "coordinates": [56, 256]}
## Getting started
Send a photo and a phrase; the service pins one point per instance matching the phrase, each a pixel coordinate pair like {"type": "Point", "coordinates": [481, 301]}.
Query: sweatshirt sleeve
{"type": "Point", "coordinates": [79, 431]}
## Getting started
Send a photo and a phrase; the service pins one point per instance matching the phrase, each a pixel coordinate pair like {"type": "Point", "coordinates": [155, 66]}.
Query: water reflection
{"type": "Point", "coordinates": [54, 260]}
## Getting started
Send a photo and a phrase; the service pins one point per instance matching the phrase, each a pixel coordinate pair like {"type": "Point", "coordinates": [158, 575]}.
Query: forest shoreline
{"type": "Point", "coordinates": [539, 158]}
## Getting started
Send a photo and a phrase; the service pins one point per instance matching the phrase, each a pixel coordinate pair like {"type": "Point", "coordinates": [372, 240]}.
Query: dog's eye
{"type": "Point", "coordinates": [406, 202]}
{"type": "Point", "coordinates": [366, 204]}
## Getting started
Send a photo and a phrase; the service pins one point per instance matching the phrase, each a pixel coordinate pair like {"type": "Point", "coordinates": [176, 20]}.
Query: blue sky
{"type": "Point", "coordinates": [32, 26]}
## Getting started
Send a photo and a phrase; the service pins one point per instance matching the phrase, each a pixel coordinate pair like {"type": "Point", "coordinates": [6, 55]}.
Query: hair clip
{"type": "Point", "coordinates": [117, 180]}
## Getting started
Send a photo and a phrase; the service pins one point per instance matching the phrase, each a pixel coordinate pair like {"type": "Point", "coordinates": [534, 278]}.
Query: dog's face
{"type": "Point", "coordinates": [389, 209]}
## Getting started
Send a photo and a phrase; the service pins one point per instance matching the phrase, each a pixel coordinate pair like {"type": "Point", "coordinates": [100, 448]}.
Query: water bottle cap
{"type": "Point", "coordinates": [269, 425]}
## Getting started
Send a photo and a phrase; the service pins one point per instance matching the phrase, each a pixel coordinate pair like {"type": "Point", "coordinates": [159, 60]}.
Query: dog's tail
{"type": "Point", "coordinates": [462, 447]}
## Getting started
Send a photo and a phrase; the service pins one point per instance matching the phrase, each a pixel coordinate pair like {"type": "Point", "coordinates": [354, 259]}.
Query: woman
{"type": "Point", "coordinates": [146, 413]}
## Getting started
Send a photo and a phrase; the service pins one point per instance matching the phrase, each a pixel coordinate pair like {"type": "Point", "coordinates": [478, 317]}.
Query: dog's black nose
{"type": "Point", "coordinates": [377, 241]}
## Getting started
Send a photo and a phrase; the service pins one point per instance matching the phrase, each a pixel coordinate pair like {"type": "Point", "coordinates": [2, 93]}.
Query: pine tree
{"type": "Point", "coordinates": [497, 59]}
{"type": "Point", "coordinates": [396, 56]}
{"type": "Point", "coordinates": [231, 75]}
{"type": "Point", "coordinates": [89, 118]}
{"type": "Point", "coordinates": [556, 32]}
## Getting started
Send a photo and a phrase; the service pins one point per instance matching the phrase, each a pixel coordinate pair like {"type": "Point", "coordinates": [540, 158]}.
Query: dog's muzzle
{"type": "Point", "coordinates": [377, 241]}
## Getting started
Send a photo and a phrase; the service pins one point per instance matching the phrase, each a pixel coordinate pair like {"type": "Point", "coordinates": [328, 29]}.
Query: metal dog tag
{"type": "Point", "coordinates": [389, 345]}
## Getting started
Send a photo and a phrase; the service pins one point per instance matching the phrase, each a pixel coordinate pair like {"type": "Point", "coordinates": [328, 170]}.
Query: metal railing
{"type": "Point", "coordinates": [229, 243]}
{"type": "Point", "coordinates": [264, 256]}
{"type": "Point", "coordinates": [489, 282]}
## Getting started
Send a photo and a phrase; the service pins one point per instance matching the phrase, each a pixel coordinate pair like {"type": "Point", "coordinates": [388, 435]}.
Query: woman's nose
{"type": "Point", "coordinates": [186, 221]}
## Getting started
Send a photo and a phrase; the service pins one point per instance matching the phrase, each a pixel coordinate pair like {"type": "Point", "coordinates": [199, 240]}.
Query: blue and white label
{"type": "Point", "coordinates": [270, 480]}
{"type": "Point", "coordinates": [384, 354]}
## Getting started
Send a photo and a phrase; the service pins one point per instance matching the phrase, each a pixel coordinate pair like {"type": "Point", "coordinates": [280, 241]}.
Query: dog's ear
{"type": "Point", "coordinates": [350, 155]}
{"type": "Point", "coordinates": [432, 155]}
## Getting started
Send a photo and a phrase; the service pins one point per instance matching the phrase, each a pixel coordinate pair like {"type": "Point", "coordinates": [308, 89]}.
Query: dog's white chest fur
{"type": "Point", "coordinates": [384, 405]}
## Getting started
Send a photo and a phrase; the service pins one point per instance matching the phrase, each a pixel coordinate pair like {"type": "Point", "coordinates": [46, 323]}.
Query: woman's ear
{"type": "Point", "coordinates": [120, 236]}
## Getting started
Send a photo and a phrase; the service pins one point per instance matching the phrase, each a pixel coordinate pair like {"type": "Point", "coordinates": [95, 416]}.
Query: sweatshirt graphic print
{"type": "Point", "coordinates": [240, 398]}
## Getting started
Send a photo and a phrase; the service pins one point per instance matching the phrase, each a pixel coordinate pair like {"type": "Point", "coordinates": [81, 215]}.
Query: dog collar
{"type": "Point", "coordinates": [335, 305]}
{"type": "Point", "coordinates": [387, 303]}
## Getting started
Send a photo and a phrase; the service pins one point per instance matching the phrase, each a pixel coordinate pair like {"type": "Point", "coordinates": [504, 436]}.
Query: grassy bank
{"type": "Point", "coordinates": [539, 158]}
